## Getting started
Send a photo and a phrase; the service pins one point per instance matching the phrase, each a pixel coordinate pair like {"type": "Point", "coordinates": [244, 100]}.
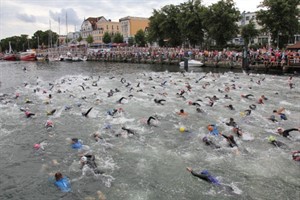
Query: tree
{"type": "Point", "coordinates": [248, 32]}
{"type": "Point", "coordinates": [220, 21]}
{"type": "Point", "coordinates": [163, 26]}
{"type": "Point", "coordinates": [118, 38]}
{"type": "Point", "coordinates": [130, 41]}
{"type": "Point", "coordinates": [79, 39]}
{"type": "Point", "coordinates": [90, 39]}
{"type": "Point", "coordinates": [190, 21]}
{"type": "Point", "coordinates": [106, 38]}
{"type": "Point", "coordinates": [280, 18]}
{"type": "Point", "coordinates": [140, 38]}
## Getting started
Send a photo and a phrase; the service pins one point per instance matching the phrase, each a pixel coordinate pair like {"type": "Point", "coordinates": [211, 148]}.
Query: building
{"type": "Point", "coordinates": [130, 26]}
{"type": "Point", "coordinates": [262, 39]}
{"type": "Point", "coordinates": [104, 26]}
{"type": "Point", "coordinates": [97, 27]}
{"type": "Point", "coordinates": [88, 26]}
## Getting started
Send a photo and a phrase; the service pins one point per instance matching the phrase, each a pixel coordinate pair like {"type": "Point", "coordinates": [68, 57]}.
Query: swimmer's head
{"type": "Point", "coordinates": [83, 159]}
{"type": "Point", "coordinates": [181, 129]}
{"type": "Point", "coordinates": [205, 139]}
{"type": "Point", "coordinates": [210, 128]}
{"type": "Point", "coordinates": [36, 146]}
{"type": "Point", "coordinates": [279, 130]}
{"type": "Point", "coordinates": [190, 102]}
{"type": "Point", "coordinates": [271, 138]}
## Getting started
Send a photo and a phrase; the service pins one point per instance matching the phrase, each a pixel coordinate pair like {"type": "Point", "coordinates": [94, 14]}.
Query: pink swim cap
{"type": "Point", "coordinates": [36, 146]}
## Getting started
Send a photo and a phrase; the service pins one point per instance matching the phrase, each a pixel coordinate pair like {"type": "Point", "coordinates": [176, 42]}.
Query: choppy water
{"type": "Point", "coordinates": [150, 164]}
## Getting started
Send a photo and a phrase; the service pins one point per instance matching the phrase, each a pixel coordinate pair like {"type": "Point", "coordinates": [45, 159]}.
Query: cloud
{"type": "Point", "coordinates": [26, 18]}
{"type": "Point", "coordinates": [72, 17]}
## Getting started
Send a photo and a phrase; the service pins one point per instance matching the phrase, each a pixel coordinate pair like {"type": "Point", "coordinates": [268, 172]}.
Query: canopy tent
{"type": "Point", "coordinates": [294, 46]}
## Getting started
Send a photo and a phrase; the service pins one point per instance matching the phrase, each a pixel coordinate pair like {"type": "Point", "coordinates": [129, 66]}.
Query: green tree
{"type": "Point", "coordinates": [118, 38]}
{"type": "Point", "coordinates": [280, 18]}
{"type": "Point", "coordinates": [130, 41]}
{"type": "Point", "coordinates": [106, 38]}
{"type": "Point", "coordinates": [140, 38]}
{"type": "Point", "coordinates": [190, 20]}
{"type": "Point", "coordinates": [163, 26]}
{"type": "Point", "coordinates": [90, 39]}
{"type": "Point", "coordinates": [249, 32]}
{"type": "Point", "coordinates": [220, 21]}
{"type": "Point", "coordinates": [79, 39]}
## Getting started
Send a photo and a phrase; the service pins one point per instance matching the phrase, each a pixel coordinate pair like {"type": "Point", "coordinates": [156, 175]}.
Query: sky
{"type": "Point", "coordinates": [19, 17]}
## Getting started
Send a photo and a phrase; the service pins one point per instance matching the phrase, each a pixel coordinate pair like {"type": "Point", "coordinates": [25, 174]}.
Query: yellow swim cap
{"type": "Point", "coordinates": [271, 138]}
{"type": "Point", "coordinates": [181, 129]}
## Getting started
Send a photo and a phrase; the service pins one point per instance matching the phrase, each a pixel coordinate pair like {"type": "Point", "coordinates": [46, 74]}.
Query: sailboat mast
{"type": "Point", "coordinates": [67, 27]}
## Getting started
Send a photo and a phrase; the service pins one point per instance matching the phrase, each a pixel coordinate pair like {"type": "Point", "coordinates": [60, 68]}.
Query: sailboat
{"type": "Point", "coordinates": [10, 56]}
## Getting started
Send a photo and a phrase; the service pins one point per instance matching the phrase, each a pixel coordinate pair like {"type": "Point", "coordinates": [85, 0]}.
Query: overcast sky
{"type": "Point", "coordinates": [27, 16]}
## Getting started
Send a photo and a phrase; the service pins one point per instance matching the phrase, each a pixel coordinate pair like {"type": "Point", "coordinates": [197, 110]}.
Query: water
{"type": "Point", "coordinates": [150, 164]}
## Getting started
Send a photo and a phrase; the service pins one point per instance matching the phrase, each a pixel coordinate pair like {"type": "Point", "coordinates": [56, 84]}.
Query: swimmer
{"type": "Point", "coordinates": [87, 112]}
{"type": "Point", "coordinates": [247, 96]}
{"type": "Point", "coordinates": [75, 143]}
{"type": "Point", "coordinates": [210, 143]}
{"type": "Point", "coordinates": [296, 155]}
{"type": "Point", "coordinates": [88, 164]}
{"type": "Point", "coordinates": [247, 112]}
{"type": "Point", "coordinates": [28, 101]}
{"type": "Point", "coordinates": [213, 130]}
{"type": "Point", "coordinates": [275, 142]}
{"type": "Point", "coordinates": [231, 122]}
{"type": "Point", "coordinates": [182, 113]}
{"type": "Point", "coordinates": [237, 131]}
{"type": "Point", "coordinates": [29, 114]}
{"type": "Point", "coordinates": [199, 110]}
{"type": "Point", "coordinates": [280, 113]}
{"type": "Point", "coordinates": [17, 95]}
{"type": "Point", "coordinates": [286, 133]}
{"type": "Point", "coordinates": [51, 112]}
{"type": "Point", "coordinates": [227, 97]}
{"type": "Point", "coordinates": [230, 140]}
{"type": "Point", "coordinates": [68, 108]}
{"type": "Point", "coordinates": [120, 100]}
{"type": "Point", "coordinates": [149, 120]}
{"type": "Point", "coordinates": [112, 112]}
{"type": "Point", "coordinates": [252, 106]}
{"type": "Point", "coordinates": [49, 124]}
{"type": "Point", "coordinates": [97, 137]}
{"type": "Point", "coordinates": [129, 131]}
{"type": "Point", "coordinates": [63, 183]}
{"type": "Point", "coordinates": [230, 107]}
{"type": "Point", "coordinates": [272, 118]}
{"type": "Point", "coordinates": [206, 176]}
{"type": "Point", "coordinates": [159, 101]}
{"type": "Point", "coordinates": [193, 103]}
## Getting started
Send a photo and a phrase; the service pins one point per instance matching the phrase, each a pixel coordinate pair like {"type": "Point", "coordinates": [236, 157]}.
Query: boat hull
{"type": "Point", "coordinates": [11, 57]}
{"type": "Point", "coordinates": [192, 63]}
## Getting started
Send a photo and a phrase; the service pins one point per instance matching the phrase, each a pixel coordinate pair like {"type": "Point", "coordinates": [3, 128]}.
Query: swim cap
{"type": "Point", "coordinates": [271, 138]}
{"type": "Point", "coordinates": [204, 139]}
{"type": "Point", "coordinates": [279, 128]}
{"type": "Point", "coordinates": [210, 128]}
{"type": "Point", "coordinates": [190, 102]}
{"type": "Point", "coordinates": [36, 146]}
{"type": "Point", "coordinates": [181, 129]}
{"type": "Point", "coordinates": [83, 159]}
{"type": "Point", "coordinates": [205, 172]}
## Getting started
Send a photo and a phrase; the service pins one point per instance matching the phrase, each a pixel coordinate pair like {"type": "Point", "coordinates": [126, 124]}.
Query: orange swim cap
{"type": "Point", "coordinates": [210, 128]}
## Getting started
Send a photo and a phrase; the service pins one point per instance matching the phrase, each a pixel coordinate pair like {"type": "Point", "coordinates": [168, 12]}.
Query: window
{"type": "Point", "coordinates": [247, 18]}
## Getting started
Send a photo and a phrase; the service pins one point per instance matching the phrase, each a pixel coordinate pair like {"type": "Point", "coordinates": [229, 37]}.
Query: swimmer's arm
{"type": "Point", "coordinates": [201, 176]}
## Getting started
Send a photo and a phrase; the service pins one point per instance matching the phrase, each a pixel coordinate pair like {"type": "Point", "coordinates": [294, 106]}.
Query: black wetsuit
{"type": "Point", "coordinates": [230, 140]}
{"type": "Point", "coordinates": [120, 100]}
{"type": "Point", "coordinates": [87, 112]}
{"type": "Point", "coordinates": [248, 95]}
{"type": "Point", "coordinates": [149, 119]}
{"type": "Point", "coordinates": [278, 143]}
{"type": "Point", "coordinates": [92, 164]}
{"type": "Point", "coordinates": [159, 101]}
{"type": "Point", "coordinates": [129, 131]}
{"type": "Point", "coordinates": [201, 176]}
{"type": "Point", "coordinates": [210, 143]}
{"type": "Point", "coordinates": [286, 133]}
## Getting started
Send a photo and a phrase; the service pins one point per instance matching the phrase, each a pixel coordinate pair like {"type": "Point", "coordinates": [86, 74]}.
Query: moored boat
{"type": "Point", "coordinates": [10, 55]}
{"type": "Point", "coordinates": [29, 55]}
{"type": "Point", "coordinates": [192, 63]}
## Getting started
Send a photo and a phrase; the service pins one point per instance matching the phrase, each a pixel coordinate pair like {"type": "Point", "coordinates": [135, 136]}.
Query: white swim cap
{"type": "Point", "coordinates": [83, 159]}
